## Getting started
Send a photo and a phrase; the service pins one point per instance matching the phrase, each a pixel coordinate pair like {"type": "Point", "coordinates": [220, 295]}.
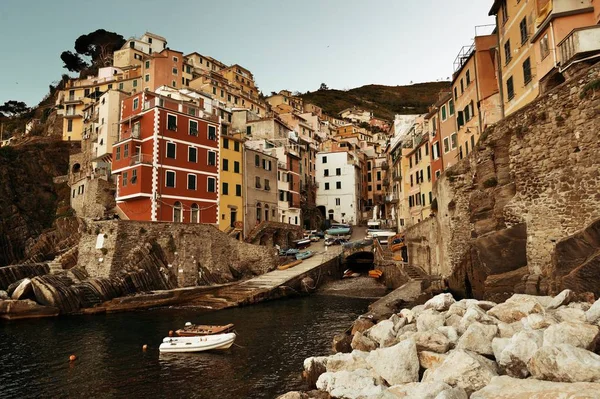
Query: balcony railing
{"type": "Point", "coordinates": [137, 159]}
{"type": "Point", "coordinates": [73, 99]}
{"type": "Point", "coordinates": [578, 44]}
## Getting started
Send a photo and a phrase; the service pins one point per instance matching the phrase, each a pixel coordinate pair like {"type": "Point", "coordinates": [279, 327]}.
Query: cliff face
{"type": "Point", "coordinates": [518, 215]}
{"type": "Point", "coordinates": [29, 199]}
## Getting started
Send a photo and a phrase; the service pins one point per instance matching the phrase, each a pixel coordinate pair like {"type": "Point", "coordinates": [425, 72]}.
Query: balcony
{"type": "Point", "coordinates": [139, 158]}
{"type": "Point", "coordinates": [391, 198]}
{"type": "Point", "coordinates": [127, 134]}
{"type": "Point", "coordinates": [71, 114]}
{"type": "Point", "coordinates": [73, 100]}
{"type": "Point", "coordinates": [580, 43]}
{"type": "Point", "coordinates": [385, 166]}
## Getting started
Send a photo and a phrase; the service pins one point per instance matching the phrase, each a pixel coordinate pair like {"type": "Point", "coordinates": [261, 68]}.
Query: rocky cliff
{"type": "Point", "coordinates": [29, 199]}
{"type": "Point", "coordinates": [521, 213]}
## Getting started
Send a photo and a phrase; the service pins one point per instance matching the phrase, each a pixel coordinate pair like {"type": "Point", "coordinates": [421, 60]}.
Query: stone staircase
{"type": "Point", "coordinates": [56, 265]}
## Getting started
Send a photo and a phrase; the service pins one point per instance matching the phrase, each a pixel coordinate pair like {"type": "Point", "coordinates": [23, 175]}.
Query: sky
{"type": "Point", "coordinates": [294, 45]}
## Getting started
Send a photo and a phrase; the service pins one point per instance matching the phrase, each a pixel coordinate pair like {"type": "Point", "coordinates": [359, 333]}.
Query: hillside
{"type": "Point", "coordinates": [385, 101]}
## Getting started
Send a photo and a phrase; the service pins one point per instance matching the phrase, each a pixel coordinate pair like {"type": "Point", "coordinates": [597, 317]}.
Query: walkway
{"type": "Point", "coordinates": [267, 286]}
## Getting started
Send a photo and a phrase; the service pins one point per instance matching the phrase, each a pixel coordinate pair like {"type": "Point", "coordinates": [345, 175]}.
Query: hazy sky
{"type": "Point", "coordinates": [294, 45]}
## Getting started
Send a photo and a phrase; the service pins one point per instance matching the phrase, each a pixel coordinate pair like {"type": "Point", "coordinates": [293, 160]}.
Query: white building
{"type": "Point", "coordinates": [338, 177]}
{"type": "Point", "coordinates": [107, 115]}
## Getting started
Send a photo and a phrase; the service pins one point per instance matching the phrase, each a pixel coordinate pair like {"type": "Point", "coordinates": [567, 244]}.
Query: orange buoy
{"type": "Point", "coordinates": [72, 358]}
{"type": "Point", "coordinates": [144, 347]}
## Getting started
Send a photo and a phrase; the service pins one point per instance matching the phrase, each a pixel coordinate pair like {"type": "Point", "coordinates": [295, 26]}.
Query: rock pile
{"type": "Point", "coordinates": [528, 346]}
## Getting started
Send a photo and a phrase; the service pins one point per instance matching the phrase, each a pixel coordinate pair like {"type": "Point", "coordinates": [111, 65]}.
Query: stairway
{"type": "Point", "coordinates": [55, 267]}
{"type": "Point", "coordinates": [88, 296]}
{"type": "Point", "coordinates": [413, 272]}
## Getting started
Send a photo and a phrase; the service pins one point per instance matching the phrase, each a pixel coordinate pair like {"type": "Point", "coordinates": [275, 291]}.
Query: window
{"type": "Point", "coordinates": [466, 147]}
{"type": "Point", "coordinates": [370, 188]}
{"type": "Point", "coordinates": [338, 171]}
{"type": "Point", "coordinates": [135, 83]}
{"type": "Point", "coordinates": [236, 167]}
{"type": "Point", "coordinates": [507, 52]}
{"type": "Point", "coordinates": [133, 176]}
{"type": "Point", "coordinates": [257, 182]}
{"type": "Point", "coordinates": [267, 186]}
{"type": "Point", "coordinates": [369, 177]}
{"type": "Point", "coordinates": [70, 125]}
{"type": "Point", "coordinates": [435, 150]}
{"type": "Point", "coordinates": [453, 140]}
{"type": "Point", "coordinates": [121, 86]}
{"type": "Point", "coordinates": [118, 156]}
{"type": "Point", "coordinates": [428, 173]}
{"type": "Point", "coordinates": [174, 84]}
{"type": "Point", "coordinates": [456, 93]}
{"type": "Point", "coordinates": [147, 64]}
{"type": "Point", "coordinates": [192, 154]}
{"type": "Point", "coordinates": [125, 150]}
{"type": "Point", "coordinates": [462, 87]}
{"type": "Point", "coordinates": [472, 142]}
{"type": "Point", "coordinates": [430, 198]}
{"type": "Point", "coordinates": [256, 161]}
{"type": "Point", "coordinates": [544, 48]}
{"type": "Point", "coordinates": [212, 182]}
{"type": "Point", "coordinates": [212, 133]}
{"type": "Point", "coordinates": [249, 130]}
{"type": "Point", "coordinates": [171, 150]}
{"type": "Point", "coordinates": [238, 190]}
{"type": "Point", "coordinates": [212, 158]}
{"type": "Point", "coordinates": [379, 175]}
{"type": "Point", "coordinates": [411, 180]}
{"type": "Point", "coordinates": [124, 179]}
{"type": "Point", "coordinates": [527, 71]}
{"type": "Point", "coordinates": [225, 189]}
{"type": "Point", "coordinates": [338, 185]}
{"type": "Point", "coordinates": [326, 186]}
{"type": "Point", "coordinates": [147, 78]}
{"type": "Point", "coordinates": [225, 143]}
{"type": "Point", "coordinates": [136, 103]}
{"type": "Point", "coordinates": [379, 187]}
{"type": "Point", "coordinates": [193, 128]}
{"type": "Point", "coordinates": [326, 172]}
{"type": "Point", "coordinates": [236, 146]}
{"type": "Point", "coordinates": [523, 29]}
{"type": "Point", "coordinates": [222, 93]}
{"type": "Point", "coordinates": [444, 116]}
{"type": "Point", "coordinates": [324, 159]}
{"type": "Point", "coordinates": [192, 111]}
{"type": "Point", "coordinates": [170, 181]}
{"type": "Point", "coordinates": [504, 11]}
{"type": "Point", "coordinates": [172, 122]}
{"type": "Point", "coordinates": [338, 201]}
{"type": "Point", "coordinates": [426, 149]}
{"type": "Point", "coordinates": [468, 77]}
{"type": "Point", "coordinates": [510, 89]}
{"type": "Point", "coordinates": [174, 71]}
{"type": "Point", "coordinates": [437, 174]}
{"type": "Point", "coordinates": [191, 181]}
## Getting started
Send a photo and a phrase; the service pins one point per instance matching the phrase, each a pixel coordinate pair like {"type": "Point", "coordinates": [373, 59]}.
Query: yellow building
{"type": "Point", "coordinates": [79, 93]}
{"type": "Point", "coordinates": [419, 181]}
{"type": "Point", "coordinates": [231, 200]}
{"type": "Point", "coordinates": [515, 21]}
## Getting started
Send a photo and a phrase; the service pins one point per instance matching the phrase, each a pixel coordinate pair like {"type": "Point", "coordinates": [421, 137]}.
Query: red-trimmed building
{"type": "Point", "coordinates": [166, 160]}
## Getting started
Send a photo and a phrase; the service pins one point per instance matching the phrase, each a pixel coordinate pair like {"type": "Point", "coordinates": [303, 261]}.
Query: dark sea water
{"type": "Point", "coordinates": [275, 338]}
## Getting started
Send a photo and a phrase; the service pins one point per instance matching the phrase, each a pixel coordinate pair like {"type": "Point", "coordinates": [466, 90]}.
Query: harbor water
{"type": "Point", "coordinates": [273, 340]}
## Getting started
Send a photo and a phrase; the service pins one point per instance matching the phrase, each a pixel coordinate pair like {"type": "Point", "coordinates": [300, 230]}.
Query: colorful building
{"type": "Point", "coordinates": [261, 196]}
{"type": "Point", "coordinates": [231, 177]}
{"type": "Point", "coordinates": [166, 160]}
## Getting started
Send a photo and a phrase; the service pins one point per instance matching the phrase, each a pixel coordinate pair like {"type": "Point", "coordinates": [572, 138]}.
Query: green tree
{"type": "Point", "coordinates": [323, 87]}
{"type": "Point", "coordinates": [92, 50]}
{"type": "Point", "coordinates": [13, 108]}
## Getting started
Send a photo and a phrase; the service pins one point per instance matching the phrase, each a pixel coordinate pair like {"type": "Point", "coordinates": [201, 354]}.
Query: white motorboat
{"type": "Point", "coordinates": [197, 344]}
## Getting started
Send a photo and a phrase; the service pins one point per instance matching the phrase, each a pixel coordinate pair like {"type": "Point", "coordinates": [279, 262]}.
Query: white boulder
{"type": "Point", "coordinates": [507, 330]}
{"type": "Point", "coordinates": [463, 369]}
{"type": "Point", "coordinates": [453, 393]}
{"type": "Point", "coordinates": [581, 335]}
{"type": "Point", "coordinates": [441, 302]}
{"type": "Point", "coordinates": [498, 345]}
{"type": "Point", "coordinates": [398, 364]}
{"type": "Point", "coordinates": [521, 347]}
{"type": "Point", "coordinates": [478, 338]}
{"type": "Point", "coordinates": [564, 363]}
{"type": "Point", "coordinates": [505, 387]}
{"type": "Point", "coordinates": [408, 315]}
{"type": "Point", "coordinates": [351, 384]}
{"type": "Point", "coordinates": [430, 320]}
{"type": "Point", "coordinates": [537, 321]}
{"type": "Point", "coordinates": [592, 315]}
{"type": "Point", "coordinates": [450, 333]}
{"type": "Point", "coordinates": [432, 340]}
{"type": "Point", "coordinates": [472, 315]}
{"type": "Point", "coordinates": [431, 360]}
{"type": "Point", "coordinates": [567, 313]}
{"type": "Point", "coordinates": [382, 332]}
{"type": "Point", "coordinates": [516, 307]}
{"type": "Point", "coordinates": [421, 390]}
{"type": "Point", "coordinates": [362, 342]}
{"type": "Point", "coordinates": [564, 298]}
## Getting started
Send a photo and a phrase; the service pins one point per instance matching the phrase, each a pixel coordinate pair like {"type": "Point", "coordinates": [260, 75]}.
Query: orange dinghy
{"type": "Point", "coordinates": [193, 330]}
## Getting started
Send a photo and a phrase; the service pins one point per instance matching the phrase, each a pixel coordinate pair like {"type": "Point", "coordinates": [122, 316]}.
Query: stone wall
{"type": "Point", "coordinates": [532, 181]}
{"type": "Point", "coordinates": [185, 254]}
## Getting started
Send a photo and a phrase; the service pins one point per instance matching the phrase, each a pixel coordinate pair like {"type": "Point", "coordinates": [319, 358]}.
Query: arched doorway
{"type": "Point", "coordinates": [331, 214]}
{"type": "Point", "coordinates": [264, 239]}
{"type": "Point", "coordinates": [195, 214]}
{"type": "Point", "coordinates": [76, 168]}
{"type": "Point", "coordinates": [266, 212]}
{"type": "Point", "coordinates": [177, 212]}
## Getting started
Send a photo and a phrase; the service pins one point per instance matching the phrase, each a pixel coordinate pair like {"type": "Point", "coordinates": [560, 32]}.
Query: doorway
{"type": "Point", "coordinates": [233, 217]}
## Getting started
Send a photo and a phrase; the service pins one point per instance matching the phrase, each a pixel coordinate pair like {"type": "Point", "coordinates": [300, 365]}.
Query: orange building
{"type": "Point", "coordinates": [166, 160]}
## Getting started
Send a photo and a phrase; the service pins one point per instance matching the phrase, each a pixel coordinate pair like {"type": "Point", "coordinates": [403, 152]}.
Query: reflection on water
{"type": "Point", "coordinates": [273, 340]}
